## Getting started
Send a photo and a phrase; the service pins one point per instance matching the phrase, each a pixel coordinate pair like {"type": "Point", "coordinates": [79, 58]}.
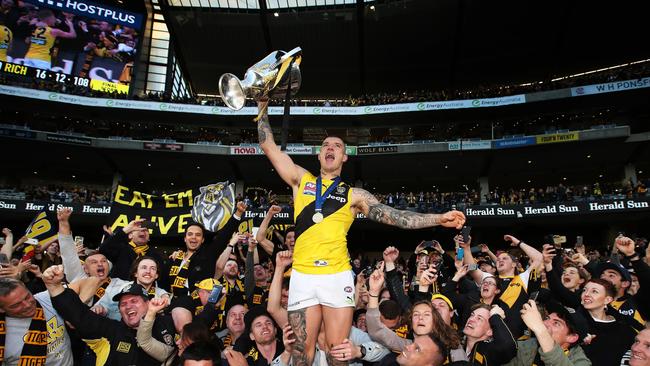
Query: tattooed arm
{"type": "Point", "coordinates": [286, 168]}
{"type": "Point", "coordinates": [364, 202]}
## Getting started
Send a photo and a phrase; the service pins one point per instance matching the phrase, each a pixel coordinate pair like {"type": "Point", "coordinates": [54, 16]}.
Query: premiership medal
{"type": "Point", "coordinates": [320, 199]}
{"type": "Point", "coordinates": [317, 218]}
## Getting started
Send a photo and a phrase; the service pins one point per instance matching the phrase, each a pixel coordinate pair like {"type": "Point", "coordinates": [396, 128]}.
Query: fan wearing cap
{"type": "Point", "coordinates": [121, 347]}
{"type": "Point", "coordinates": [557, 338]}
{"type": "Point", "coordinates": [626, 304]}
{"type": "Point", "coordinates": [186, 308]}
{"type": "Point", "coordinates": [621, 278]}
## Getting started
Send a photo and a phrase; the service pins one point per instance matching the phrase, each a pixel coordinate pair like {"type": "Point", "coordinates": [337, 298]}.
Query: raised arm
{"type": "Point", "coordinates": [364, 202]}
{"type": "Point", "coordinates": [536, 257]}
{"type": "Point", "coordinates": [71, 33]}
{"type": "Point", "coordinates": [8, 246]}
{"type": "Point", "coordinates": [274, 304]}
{"type": "Point", "coordinates": [69, 256]}
{"type": "Point", "coordinates": [223, 258]}
{"type": "Point", "coordinates": [265, 243]}
{"type": "Point", "coordinates": [286, 168]}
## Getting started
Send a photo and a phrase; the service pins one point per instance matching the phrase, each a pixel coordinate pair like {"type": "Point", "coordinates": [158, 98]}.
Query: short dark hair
{"type": "Point", "coordinates": [7, 285]}
{"type": "Point", "coordinates": [136, 263]}
{"type": "Point", "coordinates": [194, 223]}
{"type": "Point", "coordinates": [337, 137]}
{"type": "Point", "coordinates": [197, 332]}
{"type": "Point", "coordinates": [357, 313]}
{"type": "Point", "coordinates": [390, 309]}
{"type": "Point", "coordinates": [610, 290]}
{"type": "Point", "coordinates": [200, 351]}
{"type": "Point", "coordinates": [442, 350]}
{"type": "Point", "coordinates": [44, 13]}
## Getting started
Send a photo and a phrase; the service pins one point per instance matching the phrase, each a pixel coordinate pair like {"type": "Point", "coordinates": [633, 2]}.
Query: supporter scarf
{"type": "Point", "coordinates": [402, 331]}
{"type": "Point", "coordinates": [178, 274]}
{"type": "Point", "coordinates": [101, 290]}
{"type": "Point", "coordinates": [35, 341]}
{"type": "Point", "coordinates": [139, 250]}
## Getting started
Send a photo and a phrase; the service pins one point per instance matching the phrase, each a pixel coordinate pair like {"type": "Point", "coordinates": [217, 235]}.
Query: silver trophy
{"type": "Point", "coordinates": [267, 78]}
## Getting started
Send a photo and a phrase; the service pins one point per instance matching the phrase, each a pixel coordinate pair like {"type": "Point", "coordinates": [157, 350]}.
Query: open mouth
{"type": "Point", "coordinates": [329, 157]}
{"type": "Point", "coordinates": [637, 356]}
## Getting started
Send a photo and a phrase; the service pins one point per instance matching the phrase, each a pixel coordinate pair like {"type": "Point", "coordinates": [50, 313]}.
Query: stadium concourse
{"type": "Point", "coordinates": [146, 223]}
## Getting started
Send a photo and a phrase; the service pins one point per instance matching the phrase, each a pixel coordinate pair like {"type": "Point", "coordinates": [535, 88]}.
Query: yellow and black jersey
{"type": "Point", "coordinates": [626, 306]}
{"type": "Point", "coordinates": [514, 294]}
{"type": "Point", "coordinates": [514, 289]}
{"type": "Point", "coordinates": [40, 44]}
{"type": "Point", "coordinates": [321, 248]}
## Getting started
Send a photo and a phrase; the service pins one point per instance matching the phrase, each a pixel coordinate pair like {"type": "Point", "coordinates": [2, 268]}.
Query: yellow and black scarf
{"type": "Point", "coordinates": [101, 290]}
{"type": "Point", "coordinates": [178, 275]}
{"type": "Point", "coordinates": [140, 250]}
{"type": "Point", "coordinates": [35, 340]}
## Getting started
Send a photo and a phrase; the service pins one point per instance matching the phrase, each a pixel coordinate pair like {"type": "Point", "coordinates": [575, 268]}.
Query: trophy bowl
{"type": "Point", "coordinates": [267, 78]}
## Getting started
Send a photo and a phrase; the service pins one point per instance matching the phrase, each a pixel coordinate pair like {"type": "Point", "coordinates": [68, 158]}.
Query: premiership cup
{"type": "Point", "coordinates": [267, 78]}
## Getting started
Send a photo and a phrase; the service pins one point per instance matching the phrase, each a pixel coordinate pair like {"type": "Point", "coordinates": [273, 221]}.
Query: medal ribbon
{"type": "Point", "coordinates": [320, 199]}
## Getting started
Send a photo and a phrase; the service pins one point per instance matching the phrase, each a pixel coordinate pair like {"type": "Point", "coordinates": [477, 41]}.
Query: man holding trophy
{"type": "Point", "coordinates": [322, 285]}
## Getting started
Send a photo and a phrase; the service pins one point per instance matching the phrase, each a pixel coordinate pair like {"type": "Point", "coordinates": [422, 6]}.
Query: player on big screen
{"type": "Point", "coordinates": [43, 38]}
{"type": "Point", "coordinates": [322, 287]}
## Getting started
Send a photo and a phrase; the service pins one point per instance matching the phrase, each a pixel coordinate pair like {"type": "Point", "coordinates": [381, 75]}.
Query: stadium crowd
{"type": "Point", "coordinates": [54, 193]}
{"type": "Point", "coordinates": [431, 132]}
{"type": "Point", "coordinates": [222, 300]}
{"type": "Point", "coordinates": [419, 201]}
{"type": "Point", "coordinates": [626, 72]}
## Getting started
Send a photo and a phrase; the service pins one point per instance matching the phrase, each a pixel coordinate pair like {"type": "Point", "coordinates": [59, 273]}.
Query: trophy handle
{"type": "Point", "coordinates": [294, 52]}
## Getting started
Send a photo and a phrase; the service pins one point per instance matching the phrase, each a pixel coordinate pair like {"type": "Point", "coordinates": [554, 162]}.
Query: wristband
{"type": "Point", "coordinates": [369, 294]}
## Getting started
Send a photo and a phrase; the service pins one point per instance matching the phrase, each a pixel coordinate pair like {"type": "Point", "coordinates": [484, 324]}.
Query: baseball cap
{"type": "Point", "coordinates": [486, 261]}
{"type": "Point", "coordinates": [132, 289]}
{"type": "Point", "coordinates": [207, 284]}
{"type": "Point", "coordinates": [576, 322]}
{"type": "Point", "coordinates": [443, 298]}
{"type": "Point", "coordinates": [616, 267]}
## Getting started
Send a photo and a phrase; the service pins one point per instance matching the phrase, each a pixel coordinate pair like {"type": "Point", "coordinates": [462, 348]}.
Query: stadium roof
{"type": "Point", "coordinates": [386, 46]}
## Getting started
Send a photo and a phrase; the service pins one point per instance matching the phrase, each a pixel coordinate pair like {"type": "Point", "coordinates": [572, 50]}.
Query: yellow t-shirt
{"type": "Point", "coordinates": [322, 248]}
{"type": "Point", "coordinates": [41, 42]}
{"type": "Point", "coordinates": [5, 41]}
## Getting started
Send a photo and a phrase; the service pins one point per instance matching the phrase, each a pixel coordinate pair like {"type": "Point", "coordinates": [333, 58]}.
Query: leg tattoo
{"type": "Point", "coordinates": [331, 361]}
{"type": "Point", "coordinates": [299, 326]}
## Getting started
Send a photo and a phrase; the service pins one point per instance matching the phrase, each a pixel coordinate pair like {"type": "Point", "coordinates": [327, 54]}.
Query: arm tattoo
{"type": "Point", "coordinates": [391, 216]}
{"type": "Point", "coordinates": [299, 326]}
{"type": "Point", "coordinates": [263, 129]}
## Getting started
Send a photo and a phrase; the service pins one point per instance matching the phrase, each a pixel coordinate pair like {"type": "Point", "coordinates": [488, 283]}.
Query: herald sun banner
{"type": "Point", "coordinates": [211, 205]}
